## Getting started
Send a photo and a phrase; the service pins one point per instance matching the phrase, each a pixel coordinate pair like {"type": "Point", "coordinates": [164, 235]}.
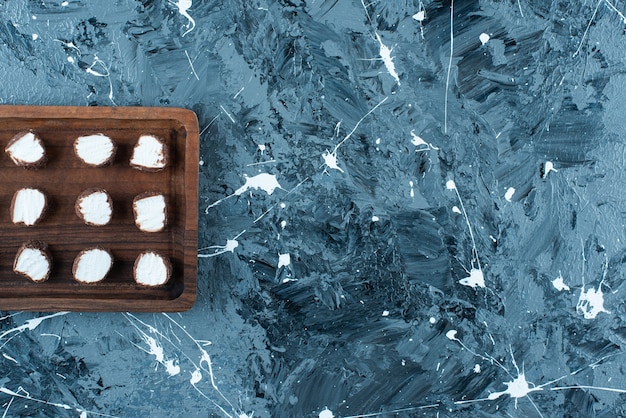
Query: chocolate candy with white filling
{"type": "Point", "coordinates": [94, 207]}
{"type": "Point", "coordinates": [152, 269]}
{"type": "Point", "coordinates": [26, 149]}
{"type": "Point", "coordinates": [149, 153]}
{"type": "Point", "coordinates": [150, 211]}
{"type": "Point", "coordinates": [95, 150]}
{"type": "Point", "coordinates": [92, 265]}
{"type": "Point", "coordinates": [28, 206]}
{"type": "Point", "coordinates": [33, 261]}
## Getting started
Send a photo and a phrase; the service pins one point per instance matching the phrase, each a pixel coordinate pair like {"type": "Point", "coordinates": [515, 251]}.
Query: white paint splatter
{"type": "Point", "coordinates": [239, 92]}
{"type": "Point", "coordinates": [591, 302]}
{"type": "Point", "coordinates": [412, 193]}
{"type": "Point", "coordinates": [65, 3]}
{"type": "Point", "coordinates": [205, 358]}
{"type": "Point", "coordinates": [375, 218]}
{"type": "Point", "coordinates": [420, 16]}
{"type": "Point", "coordinates": [385, 55]}
{"type": "Point", "coordinates": [548, 166]}
{"type": "Point", "coordinates": [559, 284]}
{"type": "Point", "coordinates": [193, 70]}
{"type": "Point", "coordinates": [385, 313]}
{"type": "Point", "coordinates": [8, 357]}
{"type": "Point", "coordinates": [582, 40]}
{"type": "Point", "coordinates": [18, 393]}
{"type": "Point", "coordinates": [326, 413]}
{"type": "Point", "coordinates": [475, 279]}
{"type": "Point", "coordinates": [103, 72]}
{"type": "Point", "coordinates": [612, 7]}
{"type": "Point", "coordinates": [330, 160]}
{"type": "Point", "coordinates": [419, 142]}
{"type": "Point", "coordinates": [272, 161]}
{"type": "Point", "coordinates": [484, 38]}
{"type": "Point", "coordinates": [230, 246]}
{"type": "Point", "coordinates": [69, 45]}
{"type": "Point", "coordinates": [517, 388]}
{"type": "Point", "coordinates": [183, 6]}
{"type": "Point", "coordinates": [509, 193]}
{"type": "Point", "coordinates": [93, 72]}
{"type": "Point", "coordinates": [477, 368]}
{"type": "Point", "coordinates": [171, 367]}
{"type": "Point", "coordinates": [34, 36]}
{"type": "Point", "coordinates": [615, 390]}
{"type": "Point", "coordinates": [456, 209]}
{"type": "Point", "coordinates": [445, 100]}
{"type": "Point", "coordinates": [284, 260]}
{"type": "Point", "coordinates": [155, 349]}
{"type": "Point", "coordinates": [264, 181]}
{"type": "Point", "coordinates": [31, 324]}
{"type": "Point", "coordinates": [432, 320]}
{"type": "Point", "coordinates": [196, 377]}
{"type": "Point", "coordinates": [227, 114]}
{"type": "Point", "coordinates": [71, 60]}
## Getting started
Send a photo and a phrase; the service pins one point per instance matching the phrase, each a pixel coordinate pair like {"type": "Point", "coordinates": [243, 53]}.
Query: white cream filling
{"type": "Point", "coordinates": [150, 213]}
{"type": "Point", "coordinates": [148, 152]}
{"type": "Point", "coordinates": [96, 208]}
{"type": "Point", "coordinates": [28, 206]}
{"type": "Point", "coordinates": [94, 149]}
{"type": "Point", "coordinates": [33, 263]}
{"type": "Point", "coordinates": [93, 266]}
{"type": "Point", "coordinates": [151, 270]}
{"type": "Point", "coordinates": [26, 149]}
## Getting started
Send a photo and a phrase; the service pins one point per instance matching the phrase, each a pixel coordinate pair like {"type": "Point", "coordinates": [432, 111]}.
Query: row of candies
{"type": "Point", "coordinates": [92, 265]}
{"type": "Point", "coordinates": [94, 206]}
{"type": "Point", "coordinates": [27, 149]}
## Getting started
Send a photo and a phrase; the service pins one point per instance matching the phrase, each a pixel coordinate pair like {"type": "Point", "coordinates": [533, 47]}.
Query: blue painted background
{"type": "Point", "coordinates": [398, 216]}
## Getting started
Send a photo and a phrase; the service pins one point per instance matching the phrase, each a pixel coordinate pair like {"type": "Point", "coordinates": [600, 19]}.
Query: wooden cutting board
{"type": "Point", "coordinates": [64, 177]}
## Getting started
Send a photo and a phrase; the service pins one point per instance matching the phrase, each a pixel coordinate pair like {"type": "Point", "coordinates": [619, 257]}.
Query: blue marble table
{"type": "Point", "coordinates": [407, 208]}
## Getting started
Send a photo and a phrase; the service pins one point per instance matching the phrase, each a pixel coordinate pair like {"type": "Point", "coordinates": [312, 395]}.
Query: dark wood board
{"type": "Point", "coordinates": [64, 177]}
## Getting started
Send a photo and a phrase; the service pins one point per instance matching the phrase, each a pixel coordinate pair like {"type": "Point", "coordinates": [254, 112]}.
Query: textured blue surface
{"type": "Point", "coordinates": [386, 216]}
